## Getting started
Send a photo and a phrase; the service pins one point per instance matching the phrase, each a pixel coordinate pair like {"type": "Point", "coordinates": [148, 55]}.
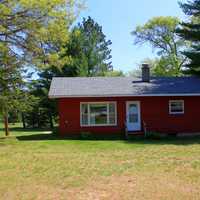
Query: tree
{"type": "Point", "coordinates": [114, 73]}
{"type": "Point", "coordinates": [160, 33]}
{"type": "Point", "coordinates": [163, 66]}
{"type": "Point", "coordinates": [12, 95]}
{"type": "Point", "coordinates": [31, 32]}
{"type": "Point", "coordinates": [43, 112]}
{"type": "Point", "coordinates": [190, 31]}
{"type": "Point", "coordinates": [92, 53]}
{"type": "Point", "coordinates": [86, 53]}
{"type": "Point", "coordinates": [30, 28]}
{"type": "Point", "coordinates": [159, 67]}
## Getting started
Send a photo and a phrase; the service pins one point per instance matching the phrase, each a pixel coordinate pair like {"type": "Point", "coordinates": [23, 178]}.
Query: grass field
{"type": "Point", "coordinates": [35, 165]}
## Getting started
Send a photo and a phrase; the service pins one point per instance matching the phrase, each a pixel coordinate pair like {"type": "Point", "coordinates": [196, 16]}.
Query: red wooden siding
{"type": "Point", "coordinates": [154, 112]}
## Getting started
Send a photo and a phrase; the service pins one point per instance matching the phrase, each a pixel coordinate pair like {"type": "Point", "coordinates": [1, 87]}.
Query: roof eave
{"type": "Point", "coordinates": [122, 95]}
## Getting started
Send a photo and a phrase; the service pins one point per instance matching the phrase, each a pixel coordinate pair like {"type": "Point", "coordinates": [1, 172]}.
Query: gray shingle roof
{"type": "Point", "coordinates": [124, 86]}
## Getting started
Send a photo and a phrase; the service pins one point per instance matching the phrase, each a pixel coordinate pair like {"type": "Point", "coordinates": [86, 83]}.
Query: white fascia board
{"type": "Point", "coordinates": [122, 95]}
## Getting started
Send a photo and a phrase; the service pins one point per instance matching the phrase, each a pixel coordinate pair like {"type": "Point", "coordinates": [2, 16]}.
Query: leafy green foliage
{"type": "Point", "coordinates": [89, 49]}
{"type": "Point", "coordinates": [31, 32]}
{"type": "Point", "coordinates": [190, 31]}
{"type": "Point", "coordinates": [160, 33]}
{"type": "Point", "coordinates": [12, 95]}
{"type": "Point", "coordinates": [163, 66]}
{"type": "Point", "coordinates": [31, 28]}
{"type": "Point", "coordinates": [89, 54]}
{"type": "Point", "coordinates": [44, 112]}
{"type": "Point", "coordinates": [114, 73]}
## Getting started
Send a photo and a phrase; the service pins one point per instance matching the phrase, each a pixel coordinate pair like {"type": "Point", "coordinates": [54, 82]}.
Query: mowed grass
{"type": "Point", "coordinates": [36, 165]}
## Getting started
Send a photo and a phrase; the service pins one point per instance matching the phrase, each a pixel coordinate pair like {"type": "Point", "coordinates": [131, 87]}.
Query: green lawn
{"type": "Point", "coordinates": [36, 165]}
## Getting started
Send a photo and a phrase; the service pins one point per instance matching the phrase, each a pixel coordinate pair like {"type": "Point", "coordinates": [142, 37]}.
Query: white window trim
{"type": "Point", "coordinates": [98, 125]}
{"type": "Point", "coordinates": [176, 101]}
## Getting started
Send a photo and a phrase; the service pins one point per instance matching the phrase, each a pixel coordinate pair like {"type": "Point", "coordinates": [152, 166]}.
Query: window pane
{"type": "Point", "coordinates": [177, 107]}
{"type": "Point", "coordinates": [112, 113]}
{"type": "Point", "coordinates": [84, 114]}
{"type": "Point", "coordinates": [133, 113]}
{"type": "Point", "coordinates": [111, 107]}
{"type": "Point", "coordinates": [85, 119]}
{"type": "Point", "coordinates": [112, 119]}
{"type": "Point", "coordinates": [98, 114]}
{"type": "Point", "coordinates": [133, 118]}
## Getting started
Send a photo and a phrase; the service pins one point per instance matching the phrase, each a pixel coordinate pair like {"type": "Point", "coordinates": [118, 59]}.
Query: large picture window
{"type": "Point", "coordinates": [176, 107]}
{"type": "Point", "coordinates": [98, 114]}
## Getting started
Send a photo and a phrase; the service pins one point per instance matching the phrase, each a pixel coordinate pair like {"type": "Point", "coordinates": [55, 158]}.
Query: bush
{"type": "Point", "coordinates": [37, 118]}
{"type": "Point", "coordinates": [86, 136]}
{"type": "Point", "coordinates": [55, 131]}
{"type": "Point", "coordinates": [154, 135]}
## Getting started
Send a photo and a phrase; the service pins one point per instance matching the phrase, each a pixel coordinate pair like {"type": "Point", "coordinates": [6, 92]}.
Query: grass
{"type": "Point", "coordinates": [36, 165]}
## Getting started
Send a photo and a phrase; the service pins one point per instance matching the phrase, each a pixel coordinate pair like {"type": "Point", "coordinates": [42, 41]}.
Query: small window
{"type": "Point", "coordinates": [98, 114]}
{"type": "Point", "coordinates": [176, 107]}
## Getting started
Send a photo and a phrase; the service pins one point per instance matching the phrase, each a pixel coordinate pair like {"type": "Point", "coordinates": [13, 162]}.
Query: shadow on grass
{"type": "Point", "coordinates": [19, 129]}
{"type": "Point", "coordinates": [52, 136]}
{"type": "Point", "coordinates": [187, 140]}
{"type": "Point", "coordinates": [138, 140]}
{"type": "Point", "coordinates": [37, 137]}
{"type": "Point", "coordinates": [25, 135]}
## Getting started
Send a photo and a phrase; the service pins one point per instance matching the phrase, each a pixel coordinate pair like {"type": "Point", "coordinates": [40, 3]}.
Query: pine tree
{"type": "Point", "coordinates": [12, 86]}
{"type": "Point", "coordinates": [93, 56]}
{"type": "Point", "coordinates": [190, 31]}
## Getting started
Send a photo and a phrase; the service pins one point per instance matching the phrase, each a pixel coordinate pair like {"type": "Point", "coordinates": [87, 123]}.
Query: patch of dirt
{"type": "Point", "coordinates": [137, 186]}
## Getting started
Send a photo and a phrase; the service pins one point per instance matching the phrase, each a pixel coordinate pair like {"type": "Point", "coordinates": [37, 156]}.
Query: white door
{"type": "Point", "coordinates": [133, 116]}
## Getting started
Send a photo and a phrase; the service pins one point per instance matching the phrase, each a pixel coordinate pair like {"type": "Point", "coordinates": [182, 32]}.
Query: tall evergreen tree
{"type": "Point", "coordinates": [93, 54]}
{"type": "Point", "coordinates": [12, 87]}
{"type": "Point", "coordinates": [87, 53]}
{"type": "Point", "coordinates": [190, 31]}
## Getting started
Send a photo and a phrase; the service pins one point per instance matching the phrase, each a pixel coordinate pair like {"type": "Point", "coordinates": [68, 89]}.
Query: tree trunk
{"type": "Point", "coordinates": [23, 121]}
{"type": "Point", "coordinates": [38, 119]}
{"type": "Point", "coordinates": [6, 125]}
{"type": "Point", "coordinates": [51, 121]}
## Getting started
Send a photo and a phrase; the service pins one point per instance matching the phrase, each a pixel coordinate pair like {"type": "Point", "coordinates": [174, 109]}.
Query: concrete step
{"type": "Point", "coordinates": [135, 133]}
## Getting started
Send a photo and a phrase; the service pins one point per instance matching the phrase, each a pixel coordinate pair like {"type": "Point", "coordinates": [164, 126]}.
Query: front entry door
{"type": "Point", "coordinates": [133, 116]}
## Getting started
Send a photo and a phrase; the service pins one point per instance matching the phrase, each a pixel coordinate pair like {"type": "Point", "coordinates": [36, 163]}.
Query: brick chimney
{"type": "Point", "coordinates": [145, 73]}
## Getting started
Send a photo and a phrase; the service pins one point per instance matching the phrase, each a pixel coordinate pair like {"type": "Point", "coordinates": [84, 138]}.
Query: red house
{"type": "Point", "coordinates": [111, 105]}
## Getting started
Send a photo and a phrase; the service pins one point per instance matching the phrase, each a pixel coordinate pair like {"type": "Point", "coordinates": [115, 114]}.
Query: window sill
{"type": "Point", "coordinates": [101, 125]}
{"type": "Point", "coordinates": [182, 113]}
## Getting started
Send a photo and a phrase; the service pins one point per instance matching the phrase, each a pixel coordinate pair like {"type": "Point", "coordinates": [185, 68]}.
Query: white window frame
{"type": "Point", "coordinates": [94, 103]}
{"type": "Point", "coordinates": [176, 101]}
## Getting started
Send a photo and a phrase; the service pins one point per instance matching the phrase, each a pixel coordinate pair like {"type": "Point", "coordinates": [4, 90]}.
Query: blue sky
{"type": "Point", "coordinates": [119, 17]}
